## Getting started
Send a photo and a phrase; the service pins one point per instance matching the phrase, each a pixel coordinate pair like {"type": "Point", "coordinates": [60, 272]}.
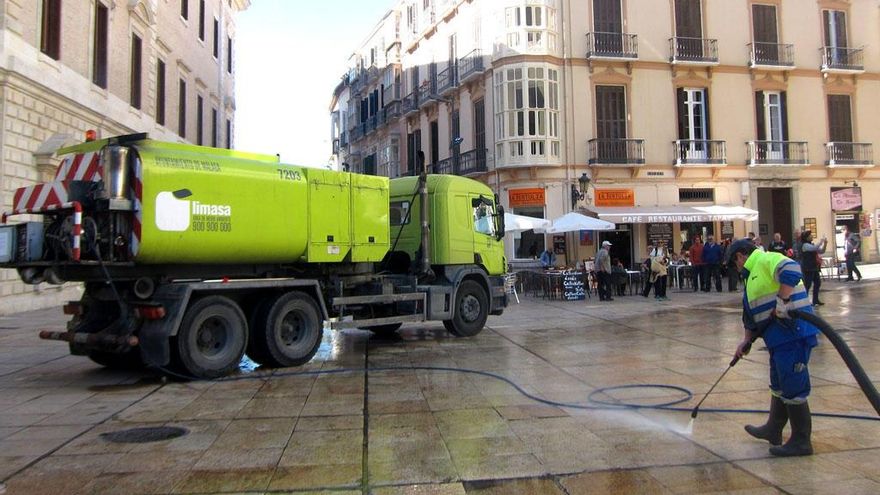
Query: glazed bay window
{"type": "Point", "coordinates": [530, 28]}
{"type": "Point", "coordinates": [527, 114]}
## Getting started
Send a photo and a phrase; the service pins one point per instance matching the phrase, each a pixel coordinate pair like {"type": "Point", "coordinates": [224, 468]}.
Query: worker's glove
{"type": "Point", "coordinates": [782, 307]}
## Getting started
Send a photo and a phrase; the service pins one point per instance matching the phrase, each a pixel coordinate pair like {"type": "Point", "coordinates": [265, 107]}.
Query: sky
{"type": "Point", "coordinates": [289, 56]}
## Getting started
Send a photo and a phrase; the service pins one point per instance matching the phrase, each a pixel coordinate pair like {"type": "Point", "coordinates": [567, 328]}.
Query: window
{"type": "Point", "coordinates": [160, 92]}
{"type": "Point", "coordinates": [840, 119]}
{"type": "Point", "coordinates": [399, 213]}
{"type": "Point", "coordinates": [534, 24]}
{"type": "Point", "coordinates": [483, 218]}
{"type": "Point", "coordinates": [50, 36]}
{"type": "Point", "coordinates": [214, 127]}
{"type": "Point", "coordinates": [136, 65]}
{"type": "Point", "coordinates": [202, 20]}
{"type": "Point", "coordinates": [99, 49]}
{"type": "Point", "coordinates": [479, 125]}
{"type": "Point", "coordinates": [184, 9]}
{"type": "Point", "coordinates": [181, 110]}
{"type": "Point", "coordinates": [765, 34]}
{"type": "Point", "coordinates": [693, 121]}
{"type": "Point", "coordinates": [772, 119]}
{"type": "Point", "coordinates": [610, 112]}
{"type": "Point", "coordinates": [228, 134]}
{"type": "Point", "coordinates": [696, 195]}
{"type": "Point", "coordinates": [200, 120]}
{"type": "Point", "coordinates": [229, 54]}
{"type": "Point", "coordinates": [527, 106]}
{"type": "Point", "coordinates": [216, 51]}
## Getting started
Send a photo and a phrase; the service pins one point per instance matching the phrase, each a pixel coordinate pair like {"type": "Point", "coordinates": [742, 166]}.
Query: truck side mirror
{"type": "Point", "coordinates": [499, 223]}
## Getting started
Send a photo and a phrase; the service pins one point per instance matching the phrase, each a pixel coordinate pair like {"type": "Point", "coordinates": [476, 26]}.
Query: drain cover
{"type": "Point", "coordinates": [145, 435]}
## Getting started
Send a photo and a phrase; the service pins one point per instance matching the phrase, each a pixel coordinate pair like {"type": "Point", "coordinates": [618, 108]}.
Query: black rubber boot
{"type": "Point", "coordinates": [772, 429]}
{"type": "Point", "coordinates": [801, 428]}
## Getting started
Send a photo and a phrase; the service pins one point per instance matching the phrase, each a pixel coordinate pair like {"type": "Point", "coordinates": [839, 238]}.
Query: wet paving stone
{"type": "Point", "coordinates": [441, 432]}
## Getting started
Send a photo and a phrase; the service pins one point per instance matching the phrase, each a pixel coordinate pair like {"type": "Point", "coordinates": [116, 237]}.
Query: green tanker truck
{"type": "Point", "coordinates": [193, 256]}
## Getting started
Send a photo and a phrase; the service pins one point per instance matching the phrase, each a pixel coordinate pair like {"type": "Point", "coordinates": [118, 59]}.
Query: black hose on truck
{"type": "Point", "coordinates": [845, 352]}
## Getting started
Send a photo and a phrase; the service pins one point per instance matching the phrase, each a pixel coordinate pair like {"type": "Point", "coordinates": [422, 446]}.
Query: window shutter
{"type": "Point", "coordinates": [783, 110]}
{"type": "Point", "coordinates": [681, 96]}
{"type": "Point", "coordinates": [840, 24]}
{"type": "Point", "coordinates": [759, 115]}
{"type": "Point", "coordinates": [826, 22]}
{"type": "Point", "coordinates": [708, 131]}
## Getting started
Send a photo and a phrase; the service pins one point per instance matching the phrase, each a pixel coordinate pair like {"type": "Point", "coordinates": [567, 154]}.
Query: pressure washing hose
{"type": "Point", "coordinates": [846, 353]}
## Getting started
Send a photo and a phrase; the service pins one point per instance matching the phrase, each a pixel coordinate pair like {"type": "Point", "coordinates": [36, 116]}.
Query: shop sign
{"type": "Point", "coordinates": [846, 198]}
{"type": "Point", "coordinates": [615, 197]}
{"type": "Point", "coordinates": [658, 232]}
{"type": "Point", "coordinates": [526, 197]}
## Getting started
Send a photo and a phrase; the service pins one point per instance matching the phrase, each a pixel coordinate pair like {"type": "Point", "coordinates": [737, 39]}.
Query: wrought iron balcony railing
{"type": "Point", "coordinates": [771, 55]}
{"type": "Point", "coordinates": [699, 152]}
{"type": "Point", "coordinates": [428, 91]}
{"type": "Point", "coordinates": [468, 163]}
{"type": "Point", "coordinates": [392, 111]}
{"type": "Point", "coordinates": [470, 65]}
{"type": "Point", "coordinates": [842, 59]}
{"type": "Point", "coordinates": [391, 93]}
{"type": "Point", "coordinates": [612, 45]}
{"type": "Point", "coordinates": [777, 153]}
{"type": "Point", "coordinates": [693, 50]}
{"type": "Point", "coordinates": [410, 103]}
{"type": "Point", "coordinates": [617, 151]}
{"type": "Point", "coordinates": [849, 154]}
{"type": "Point", "coordinates": [447, 79]}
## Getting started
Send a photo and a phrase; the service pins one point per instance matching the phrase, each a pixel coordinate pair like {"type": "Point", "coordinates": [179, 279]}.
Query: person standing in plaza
{"type": "Point", "coordinates": [646, 269]}
{"type": "Point", "coordinates": [796, 245]}
{"type": "Point", "coordinates": [778, 245]}
{"type": "Point", "coordinates": [811, 264]}
{"type": "Point", "coordinates": [659, 273]}
{"type": "Point", "coordinates": [853, 253]}
{"type": "Point", "coordinates": [548, 259]}
{"type": "Point", "coordinates": [603, 272]}
{"type": "Point", "coordinates": [696, 253]}
{"type": "Point", "coordinates": [712, 262]}
{"type": "Point", "coordinates": [773, 288]}
{"type": "Point", "coordinates": [732, 274]}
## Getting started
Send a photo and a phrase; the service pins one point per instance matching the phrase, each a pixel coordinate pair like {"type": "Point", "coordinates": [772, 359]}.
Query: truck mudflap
{"type": "Point", "coordinates": [498, 296]}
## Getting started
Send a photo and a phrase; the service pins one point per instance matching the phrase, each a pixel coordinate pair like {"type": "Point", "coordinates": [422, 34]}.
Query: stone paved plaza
{"type": "Point", "coordinates": [433, 415]}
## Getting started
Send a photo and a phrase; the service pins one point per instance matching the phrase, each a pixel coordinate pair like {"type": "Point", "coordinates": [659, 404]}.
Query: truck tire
{"type": "Point", "coordinates": [212, 338]}
{"type": "Point", "coordinates": [290, 333]}
{"type": "Point", "coordinates": [470, 312]}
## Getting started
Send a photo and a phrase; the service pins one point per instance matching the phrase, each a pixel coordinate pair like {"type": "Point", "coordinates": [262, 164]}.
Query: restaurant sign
{"type": "Point", "coordinates": [846, 198]}
{"type": "Point", "coordinates": [526, 197]}
{"type": "Point", "coordinates": [615, 197]}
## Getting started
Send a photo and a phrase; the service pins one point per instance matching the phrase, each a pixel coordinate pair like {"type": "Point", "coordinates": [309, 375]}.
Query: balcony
{"type": "Point", "coordinates": [469, 163]}
{"type": "Point", "coordinates": [689, 152]}
{"type": "Point", "coordinates": [771, 56]}
{"type": "Point", "coordinates": [693, 51]}
{"type": "Point", "coordinates": [392, 111]}
{"type": "Point", "coordinates": [389, 169]}
{"type": "Point", "coordinates": [855, 155]}
{"type": "Point", "coordinates": [617, 152]}
{"type": "Point", "coordinates": [470, 66]}
{"type": "Point", "coordinates": [842, 60]}
{"type": "Point", "coordinates": [357, 132]}
{"type": "Point", "coordinates": [428, 92]}
{"type": "Point", "coordinates": [410, 103]}
{"type": "Point", "coordinates": [447, 80]}
{"type": "Point", "coordinates": [391, 93]}
{"type": "Point", "coordinates": [786, 153]}
{"type": "Point", "coordinates": [612, 46]}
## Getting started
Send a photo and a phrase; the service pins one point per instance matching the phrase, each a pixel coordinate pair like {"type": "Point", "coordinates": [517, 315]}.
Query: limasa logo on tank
{"type": "Point", "coordinates": [175, 214]}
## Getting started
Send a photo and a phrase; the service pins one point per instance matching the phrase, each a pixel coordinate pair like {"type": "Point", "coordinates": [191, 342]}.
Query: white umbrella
{"type": "Point", "coordinates": [574, 221]}
{"type": "Point", "coordinates": [521, 223]}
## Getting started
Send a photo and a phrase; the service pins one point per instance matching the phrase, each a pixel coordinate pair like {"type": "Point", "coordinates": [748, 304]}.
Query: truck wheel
{"type": "Point", "coordinates": [291, 331]}
{"type": "Point", "coordinates": [257, 320]}
{"type": "Point", "coordinates": [470, 312]}
{"type": "Point", "coordinates": [212, 337]}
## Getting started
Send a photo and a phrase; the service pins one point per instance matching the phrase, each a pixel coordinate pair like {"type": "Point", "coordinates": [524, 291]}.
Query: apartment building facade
{"type": "Point", "coordinates": [164, 67]}
{"type": "Point", "coordinates": [670, 118]}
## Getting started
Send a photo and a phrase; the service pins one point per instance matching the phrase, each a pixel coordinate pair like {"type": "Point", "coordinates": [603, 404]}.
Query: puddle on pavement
{"type": "Point", "coordinates": [145, 435]}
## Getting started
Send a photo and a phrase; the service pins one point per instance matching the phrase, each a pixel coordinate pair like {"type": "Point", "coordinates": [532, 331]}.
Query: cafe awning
{"type": "Point", "coordinates": [676, 213]}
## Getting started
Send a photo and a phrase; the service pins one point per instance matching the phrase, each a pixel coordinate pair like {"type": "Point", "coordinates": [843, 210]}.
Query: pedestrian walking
{"type": "Point", "coordinates": [603, 272]}
{"type": "Point", "coordinates": [853, 254]}
{"type": "Point", "coordinates": [811, 264]}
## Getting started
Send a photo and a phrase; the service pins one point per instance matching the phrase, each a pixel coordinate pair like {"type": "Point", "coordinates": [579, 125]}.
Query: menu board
{"type": "Point", "coordinates": [573, 286]}
{"type": "Point", "coordinates": [660, 232]}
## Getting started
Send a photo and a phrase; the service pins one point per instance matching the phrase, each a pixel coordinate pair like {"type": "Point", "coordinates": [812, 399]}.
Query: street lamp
{"type": "Point", "coordinates": [579, 194]}
{"type": "Point", "coordinates": [456, 153]}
